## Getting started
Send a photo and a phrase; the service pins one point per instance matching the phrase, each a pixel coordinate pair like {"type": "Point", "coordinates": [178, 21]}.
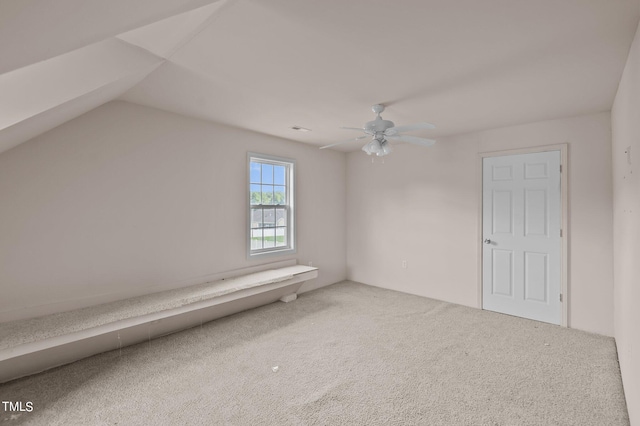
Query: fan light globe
{"type": "Point", "coordinates": [376, 147]}
{"type": "Point", "coordinates": [386, 148]}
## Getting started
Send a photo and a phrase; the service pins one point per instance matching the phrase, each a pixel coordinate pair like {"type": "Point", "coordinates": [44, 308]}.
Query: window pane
{"type": "Point", "coordinates": [267, 194]}
{"type": "Point", "coordinates": [256, 218]}
{"type": "Point", "coordinates": [269, 237]}
{"type": "Point", "coordinates": [279, 175]}
{"type": "Point", "coordinates": [254, 173]}
{"type": "Point", "coordinates": [256, 239]}
{"type": "Point", "coordinates": [269, 205]}
{"type": "Point", "coordinates": [256, 194]}
{"type": "Point", "coordinates": [269, 218]}
{"type": "Point", "coordinates": [279, 195]}
{"type": "Point", "coordinates": [267, 173]}
{"type": "Point", "coordinates": [281, 237]}
{"type": "Point", "coordinates": [281, 217]}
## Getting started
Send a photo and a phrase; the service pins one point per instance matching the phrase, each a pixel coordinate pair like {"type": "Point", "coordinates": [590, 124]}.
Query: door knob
{"type": "Point", "coordinates": [487, 241]}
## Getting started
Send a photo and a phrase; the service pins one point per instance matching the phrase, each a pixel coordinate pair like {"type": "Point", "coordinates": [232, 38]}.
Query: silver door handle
{"type": "Point", "coordinates": [487, 241]}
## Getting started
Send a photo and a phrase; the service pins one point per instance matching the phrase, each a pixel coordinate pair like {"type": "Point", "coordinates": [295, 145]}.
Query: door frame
{"type": "Point", "coordinates": [564, 217]}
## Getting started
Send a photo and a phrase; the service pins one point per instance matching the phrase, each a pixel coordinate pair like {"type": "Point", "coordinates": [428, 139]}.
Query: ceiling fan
{"type": "Point", "coordinates": [382, 131]}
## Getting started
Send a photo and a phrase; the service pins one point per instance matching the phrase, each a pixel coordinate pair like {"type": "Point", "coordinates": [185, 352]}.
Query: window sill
{"type": "Point", "coordinates": [270, 253]}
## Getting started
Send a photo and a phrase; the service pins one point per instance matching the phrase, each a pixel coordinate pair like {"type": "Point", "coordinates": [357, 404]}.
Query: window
{"type": "Point", "coordinates": [271, 224]}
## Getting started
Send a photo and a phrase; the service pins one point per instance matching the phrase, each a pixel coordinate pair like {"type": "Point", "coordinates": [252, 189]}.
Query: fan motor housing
{"type": "Point", "coordinates": [378, 125]}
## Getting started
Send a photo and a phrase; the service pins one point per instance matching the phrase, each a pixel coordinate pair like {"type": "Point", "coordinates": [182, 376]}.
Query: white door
{"type": "Point", "coordinates": [521, 256]}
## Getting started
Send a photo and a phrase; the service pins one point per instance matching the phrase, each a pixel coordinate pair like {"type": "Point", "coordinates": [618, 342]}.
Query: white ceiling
{"type": "Point", "coordinates": [267, 65]}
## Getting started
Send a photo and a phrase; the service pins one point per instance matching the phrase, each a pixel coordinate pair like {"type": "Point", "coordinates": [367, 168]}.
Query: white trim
{"type": "Point", "coordinates": [564, 206]}
{"type": "Point", "coordinates": [291, 215]}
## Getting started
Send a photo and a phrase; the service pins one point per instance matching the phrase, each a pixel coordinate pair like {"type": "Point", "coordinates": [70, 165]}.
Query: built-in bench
{"type": "Point", "coordinates": [33, 345]}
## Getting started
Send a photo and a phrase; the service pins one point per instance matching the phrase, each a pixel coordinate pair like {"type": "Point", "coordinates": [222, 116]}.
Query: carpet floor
{"type": "Point", "coordinates": [347, 354]}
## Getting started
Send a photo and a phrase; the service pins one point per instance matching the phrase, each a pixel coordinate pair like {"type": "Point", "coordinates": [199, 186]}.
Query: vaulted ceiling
{"type": "Point", "coordinates": [267, 65]}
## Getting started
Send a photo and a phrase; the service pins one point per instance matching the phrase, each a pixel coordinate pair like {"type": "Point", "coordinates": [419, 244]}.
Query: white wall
{"type": "Point", "coordinates": [625, 120]}
{"type": "Point", "coordinates": [127, 199]}
{"type": "Point", "coordinates": [422, 205]}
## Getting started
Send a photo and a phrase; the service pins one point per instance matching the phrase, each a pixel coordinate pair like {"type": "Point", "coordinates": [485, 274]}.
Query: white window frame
{"type": "Point", "coordinates": [289, 205]}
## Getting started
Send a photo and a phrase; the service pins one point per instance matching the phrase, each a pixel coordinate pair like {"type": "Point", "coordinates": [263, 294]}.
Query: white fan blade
{"type": "Point", "coordinates": [412, 139]}
{"type": "Point", "coordinates": [354, 128]}
{"type": "Point", "coordinates": [408, 128]}
{"type": "Point", "coordinates": [340, 143]}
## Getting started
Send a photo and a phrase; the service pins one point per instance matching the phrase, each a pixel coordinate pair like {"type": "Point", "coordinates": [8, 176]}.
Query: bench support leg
{"type": "Point", "coordinates": [289, 298]}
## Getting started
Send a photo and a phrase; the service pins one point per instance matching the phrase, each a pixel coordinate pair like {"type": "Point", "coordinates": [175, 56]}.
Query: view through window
{"type": "Point", "coordinates": [271, 204]}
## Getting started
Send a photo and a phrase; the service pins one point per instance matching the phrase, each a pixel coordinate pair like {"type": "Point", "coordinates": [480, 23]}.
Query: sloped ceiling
{"type": "Point", "coordinates": [55, 88]}
{"type": "Point", "coordinates": [267, 65]}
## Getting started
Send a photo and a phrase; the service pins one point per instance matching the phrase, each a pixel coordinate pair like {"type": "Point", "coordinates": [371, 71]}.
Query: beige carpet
{"type": "Point", "coordinates": [348, 354]}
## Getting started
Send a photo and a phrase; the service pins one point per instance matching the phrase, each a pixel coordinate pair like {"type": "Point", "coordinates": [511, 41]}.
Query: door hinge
{"type": "Point", "coordinates": [560, 168]}
{"type": "Point", "coordinates": [561, 297]}
{"type": "Point", "coordinates": [561, 232]}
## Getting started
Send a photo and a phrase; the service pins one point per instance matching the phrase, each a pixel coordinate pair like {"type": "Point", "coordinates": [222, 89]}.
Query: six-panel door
{"type": "Point", "coordinates": [521, 256]}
